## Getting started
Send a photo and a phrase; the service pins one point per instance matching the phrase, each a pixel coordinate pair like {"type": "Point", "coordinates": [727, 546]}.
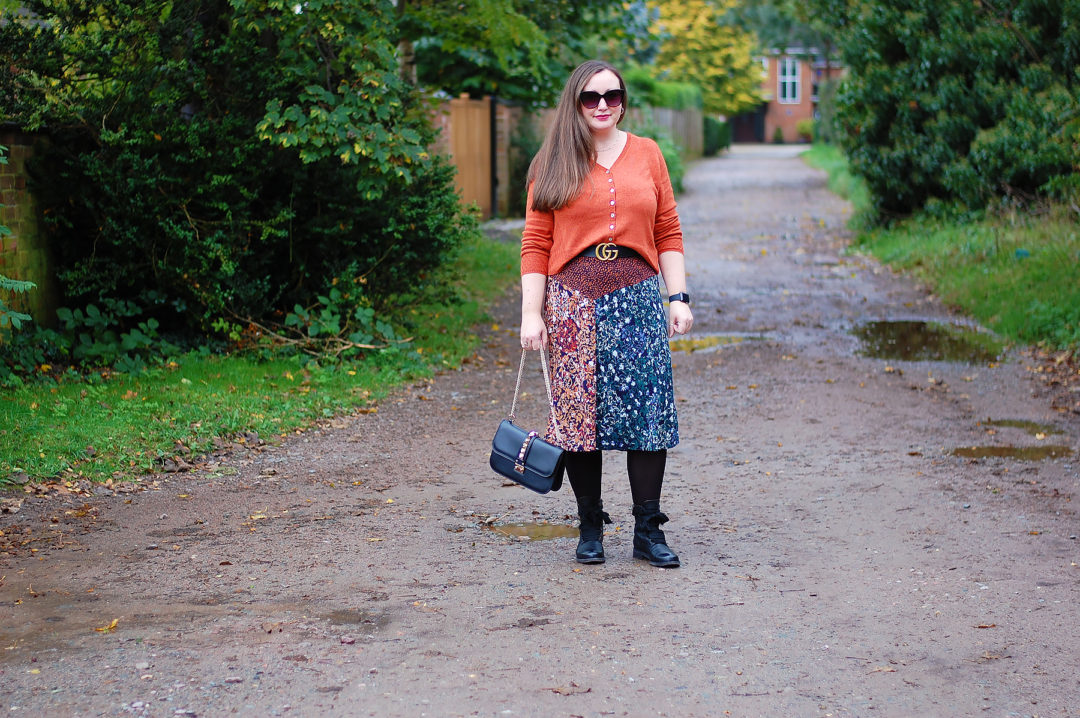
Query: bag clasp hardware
{"type": "Point", "coordinates": [519, 465]}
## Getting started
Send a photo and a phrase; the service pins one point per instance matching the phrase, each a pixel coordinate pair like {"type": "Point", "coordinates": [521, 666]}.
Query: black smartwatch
{"type": "Point", "coordinates": [680, 297]}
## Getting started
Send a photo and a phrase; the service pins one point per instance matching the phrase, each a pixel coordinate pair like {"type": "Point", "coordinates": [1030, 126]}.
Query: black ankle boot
{"type": "Point", "coordinates": [649, 541]}
{"type": "Point", "coordinates": [590, 547]}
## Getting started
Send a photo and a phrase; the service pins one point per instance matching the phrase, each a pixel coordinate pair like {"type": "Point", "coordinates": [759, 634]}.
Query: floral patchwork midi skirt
{"type": "Point", "coordinates": [610, 357]}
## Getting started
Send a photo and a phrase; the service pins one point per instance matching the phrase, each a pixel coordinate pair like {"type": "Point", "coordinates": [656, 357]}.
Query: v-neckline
{"type": "Point", "coordinates": [618, 156]}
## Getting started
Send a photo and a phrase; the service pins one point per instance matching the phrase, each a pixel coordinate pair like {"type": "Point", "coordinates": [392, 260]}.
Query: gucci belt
{"type": "Point", "coordinates": [608, 251]}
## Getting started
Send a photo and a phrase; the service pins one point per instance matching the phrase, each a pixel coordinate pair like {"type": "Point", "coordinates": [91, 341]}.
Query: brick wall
{"type": "Point", "coordinates": [23, 254]}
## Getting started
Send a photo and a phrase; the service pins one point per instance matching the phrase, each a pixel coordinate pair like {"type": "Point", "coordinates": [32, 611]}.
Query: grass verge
{"type": "Point", "coordinates": [1018, 275]}
{"type": "Point", "coordinates": [122, 426]}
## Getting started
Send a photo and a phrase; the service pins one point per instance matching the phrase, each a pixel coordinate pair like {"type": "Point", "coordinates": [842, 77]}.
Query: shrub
{"type": "Point", "coordinates": [778, 136]}
{"type": "Point", "coordinates": [717, 135]}
{"type": "Point", "coordinates": [671, 152]}
{"type": "Point", "coordinates": [644, 89]}
{"type": "Point", "coordinates": [805, 129]}
{"type": "Point", "coordinates": [987, 110]}
{"type": "Point", "coordinates": [524, 144]}
{"type": "Point", "coordinates": [229, 160]}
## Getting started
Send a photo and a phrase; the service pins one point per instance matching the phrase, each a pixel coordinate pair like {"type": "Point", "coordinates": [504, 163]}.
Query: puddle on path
{"type": "Point", "coordinates": [923, 341]}
{"type": "Point", "coordinates": [345, 617]}
{"type": "Point", "coordinates": [535, 531]}
{"type": "Point", "coordinates": [709, 341]}
{"type": "Point", "coordinates": [1033, 428]}
{"type": "Point", "coordinates": [1022, 453]}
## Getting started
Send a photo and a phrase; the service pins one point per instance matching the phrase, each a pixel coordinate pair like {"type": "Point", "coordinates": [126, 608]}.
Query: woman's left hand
{"type": "Point", "coordinates": [680, 318]}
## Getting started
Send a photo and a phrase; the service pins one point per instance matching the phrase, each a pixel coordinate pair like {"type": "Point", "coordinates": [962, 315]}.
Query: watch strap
{"type": "Point", "coordinates": [679, 297]}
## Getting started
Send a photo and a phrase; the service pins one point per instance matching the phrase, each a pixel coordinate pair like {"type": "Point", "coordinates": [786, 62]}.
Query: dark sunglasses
{"type": "Point", "coordinates": [591, 100]}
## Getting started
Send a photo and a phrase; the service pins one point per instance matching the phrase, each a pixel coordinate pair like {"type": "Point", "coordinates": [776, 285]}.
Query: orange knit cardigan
{"type": "Point", "coordinates": [632, 204]}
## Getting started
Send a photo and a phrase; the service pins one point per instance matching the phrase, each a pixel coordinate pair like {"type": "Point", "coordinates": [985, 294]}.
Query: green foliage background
{"type": "Point", "coordinates": [232, 158]}
{"type": "Point", "coordinates": [959, 104]}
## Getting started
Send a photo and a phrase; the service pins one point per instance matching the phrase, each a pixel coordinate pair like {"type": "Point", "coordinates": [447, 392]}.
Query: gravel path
{"type": "Point", "coordinates": [839, 559]}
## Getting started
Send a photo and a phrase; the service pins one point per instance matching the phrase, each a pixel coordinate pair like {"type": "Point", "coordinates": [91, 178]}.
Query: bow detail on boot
{"type": "Point", "coordinates": [649, 541]}
{"type": "Point", "coordinates": [590, 548]}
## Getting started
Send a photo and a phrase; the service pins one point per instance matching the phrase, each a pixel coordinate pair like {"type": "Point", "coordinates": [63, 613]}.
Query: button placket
{"type": "Point", "coordinates": [611, 205]}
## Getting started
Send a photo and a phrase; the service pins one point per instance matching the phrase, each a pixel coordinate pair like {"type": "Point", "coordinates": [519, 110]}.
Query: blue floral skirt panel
{"type": "Point", "coordinates": [610, 357]}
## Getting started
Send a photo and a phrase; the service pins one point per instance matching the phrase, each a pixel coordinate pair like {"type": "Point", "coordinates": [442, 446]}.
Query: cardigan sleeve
{"type": "Point", "coordinates": [667, 232]}
{"type": "Point", "coordinates": [537, 238]}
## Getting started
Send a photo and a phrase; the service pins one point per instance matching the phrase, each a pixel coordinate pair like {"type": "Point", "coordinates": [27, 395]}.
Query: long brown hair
{"type": "Point", "coordinates": [559, 169]}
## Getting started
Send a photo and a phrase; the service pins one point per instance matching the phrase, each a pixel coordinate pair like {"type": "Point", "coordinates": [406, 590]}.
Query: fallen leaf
{"type": "Point", "coordinates": [986, 625]}
{"type": "Point", "coordinates": [109, 628]}
{"type": "Point", "coordinates": [570, 690]}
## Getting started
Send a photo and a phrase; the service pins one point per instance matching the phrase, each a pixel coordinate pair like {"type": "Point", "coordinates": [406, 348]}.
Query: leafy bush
{"type": "Point", "coordinates": [988, 109]}
{"type": "Point", "coordinates": [10, 318]}
{"type": "Point", "coordinates": [524, 144]}
{"type": "Point", "coordinates": [717, 136]}
{"type": "Point", "coordinates": [227, 159]}
{"type": "Point", "coordinates": [644, 89]}
{"type": "Point", "coordinates": [671, 152]}
{"type": "Point", "coordinates": [825, 129]}
{"type": "Point", "coordinates": [778, 136]}
{"type": "Point", "coordinates": [805, 129]}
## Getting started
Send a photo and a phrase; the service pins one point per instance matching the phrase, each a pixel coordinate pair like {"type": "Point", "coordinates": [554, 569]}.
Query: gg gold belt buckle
{"type": "Point", "coordinates": [606, 252]}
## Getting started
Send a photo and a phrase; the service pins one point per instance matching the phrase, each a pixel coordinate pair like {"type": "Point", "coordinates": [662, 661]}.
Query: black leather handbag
{"type": "Point", "coordinates": [522, 456]}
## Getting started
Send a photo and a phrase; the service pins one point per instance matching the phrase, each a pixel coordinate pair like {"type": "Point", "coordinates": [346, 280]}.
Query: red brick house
{"type": "Point", "coordinates": [789, 88]}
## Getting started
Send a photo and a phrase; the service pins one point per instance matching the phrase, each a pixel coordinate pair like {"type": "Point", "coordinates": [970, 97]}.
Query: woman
{"type": "Point", "coordinates": [600, 223]}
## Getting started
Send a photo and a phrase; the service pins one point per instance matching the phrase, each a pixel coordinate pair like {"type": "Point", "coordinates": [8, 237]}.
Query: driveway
{"type": "Point", "coordinates": [846, 551]}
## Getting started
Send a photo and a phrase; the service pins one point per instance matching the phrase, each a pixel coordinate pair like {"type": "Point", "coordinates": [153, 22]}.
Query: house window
{"type": "Point", "coordinates": [787, 81]}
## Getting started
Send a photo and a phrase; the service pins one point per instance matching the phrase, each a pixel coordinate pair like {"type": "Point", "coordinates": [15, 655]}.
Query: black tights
{"type": "Point", "coordinates": [645, 468]}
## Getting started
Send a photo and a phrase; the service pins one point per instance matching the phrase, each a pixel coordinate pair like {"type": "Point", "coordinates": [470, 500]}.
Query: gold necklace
{"type": "Point", "coordinates": [605, 148]}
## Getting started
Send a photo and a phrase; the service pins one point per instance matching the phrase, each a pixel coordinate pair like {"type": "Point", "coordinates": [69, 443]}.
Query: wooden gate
{"type": "Point", "coordinates": [466, 139]}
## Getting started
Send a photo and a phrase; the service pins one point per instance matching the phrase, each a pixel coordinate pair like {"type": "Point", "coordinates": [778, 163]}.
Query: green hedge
{"type": "Point", "coordinates": [959, 103]}
{"type": "Point", "coordinates": [717, 136]}
{"type": "Point", "coordinates": [644, 89]}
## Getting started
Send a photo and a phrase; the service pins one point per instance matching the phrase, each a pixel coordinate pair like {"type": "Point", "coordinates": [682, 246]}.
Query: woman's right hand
{"type": "Point", "coordinates": [533, 331]}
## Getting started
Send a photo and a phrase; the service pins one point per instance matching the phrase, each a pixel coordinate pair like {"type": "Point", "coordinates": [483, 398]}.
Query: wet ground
{"type": "Point", "coordinates": [864, 532]}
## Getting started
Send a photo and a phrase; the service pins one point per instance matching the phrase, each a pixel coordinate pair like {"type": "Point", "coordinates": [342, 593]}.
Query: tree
{"type": "Point", "coordinates": [782, 24]}
{"type": "Point", "coordinates": [517, 49]}
{"type": "Point", "coordinates": [702, 44]}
